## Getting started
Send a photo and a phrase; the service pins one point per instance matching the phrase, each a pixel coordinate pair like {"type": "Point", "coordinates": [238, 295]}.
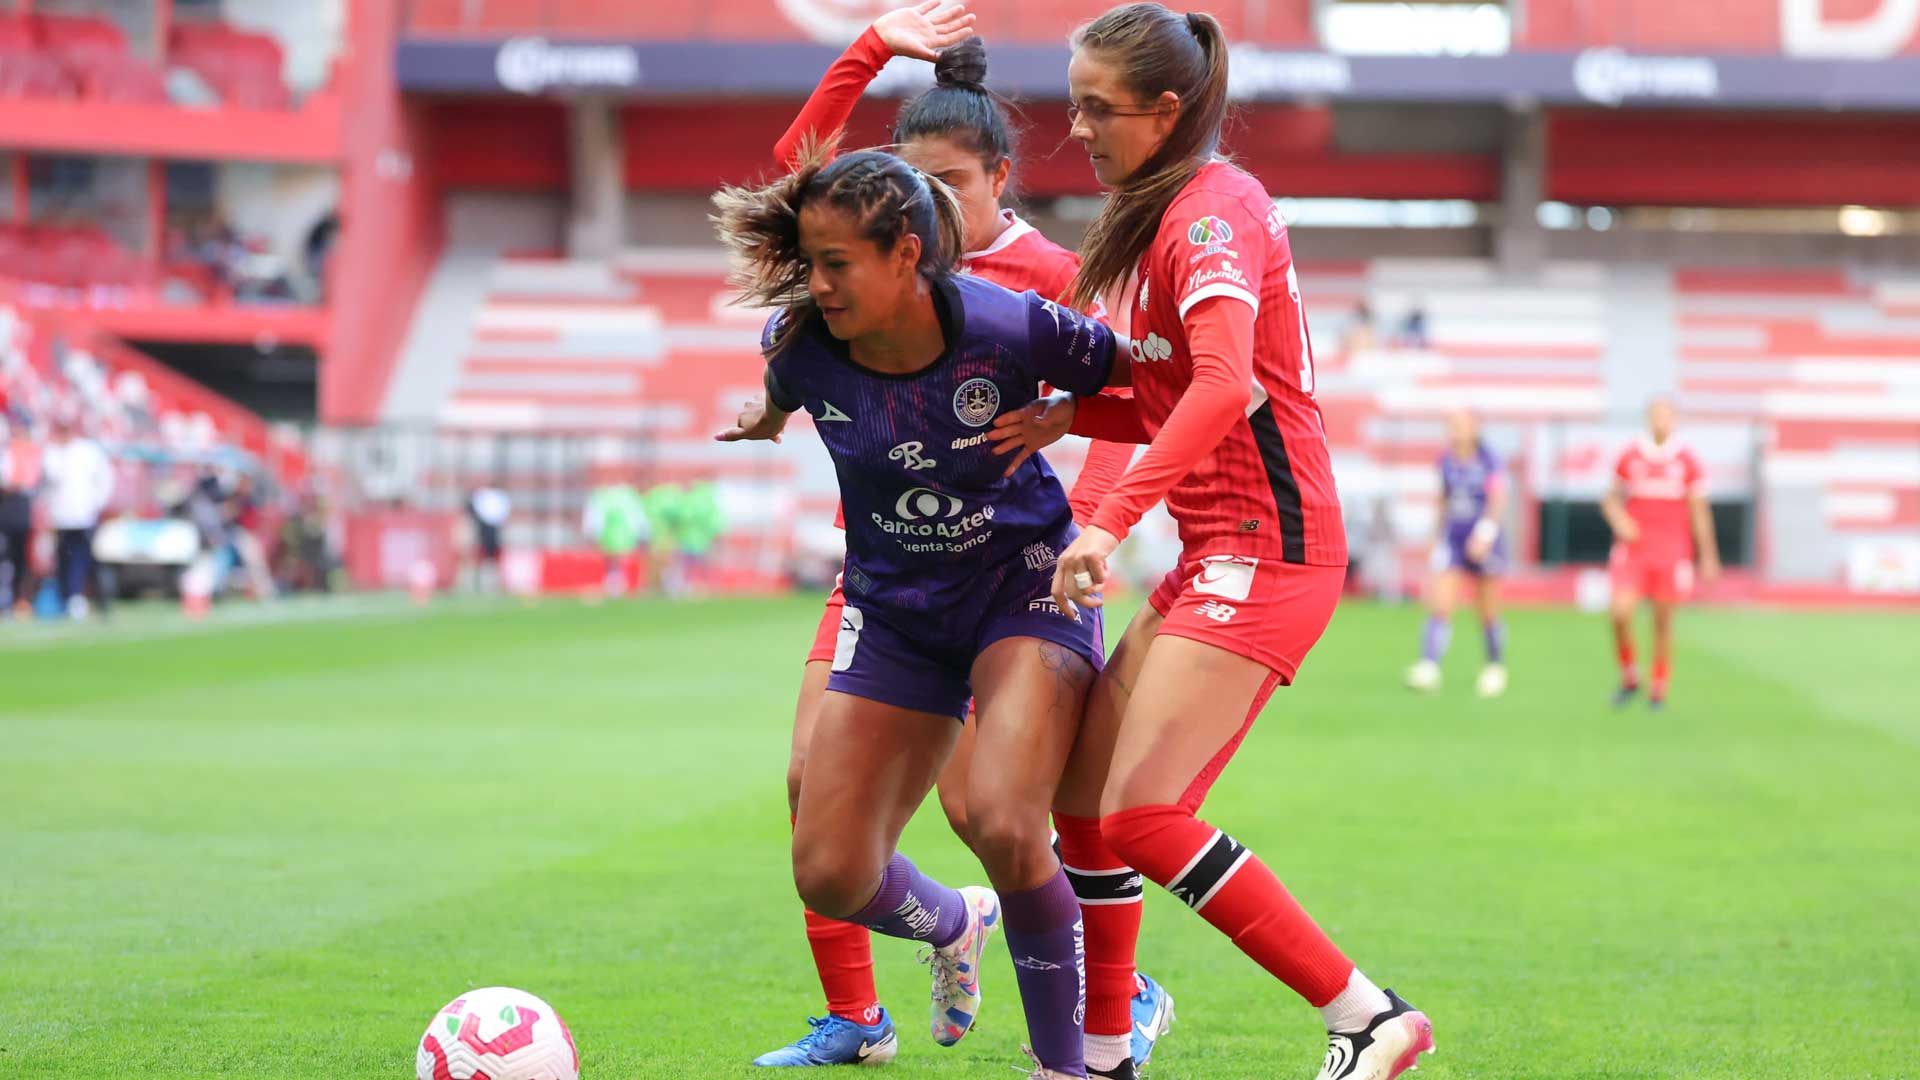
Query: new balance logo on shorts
{"type": "Point", "coordinates": [1217, 611]}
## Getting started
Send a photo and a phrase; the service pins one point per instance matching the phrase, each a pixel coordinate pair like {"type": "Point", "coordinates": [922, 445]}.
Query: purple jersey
{"type": "Point", "coordinates": [1465, 485]}
{"type": "Point", "coordinates": [933, 528]}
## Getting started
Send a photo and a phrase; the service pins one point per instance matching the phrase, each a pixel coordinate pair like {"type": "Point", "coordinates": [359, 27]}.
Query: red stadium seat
{"type": "Point", "coordinates": [25, 69]}
{"type": "Point", "coordinates": [244, 68]}
{"type": "Point", "coordinates": [96, 58]}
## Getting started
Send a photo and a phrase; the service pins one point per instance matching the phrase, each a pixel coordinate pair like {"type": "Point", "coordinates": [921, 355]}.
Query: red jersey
{"type": "Point", "coordinates": [1020, 258]}
{"type": "Point", "coordinates": [1265, 488]}
{"type": "Point", "coordinates": [1661, 480]}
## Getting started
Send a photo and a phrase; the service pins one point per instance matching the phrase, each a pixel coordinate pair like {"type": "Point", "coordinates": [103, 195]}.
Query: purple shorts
{"type": "Point", "coordinates": [1452, 555]}
{"type": "Point", "coordinates": [878, 657]}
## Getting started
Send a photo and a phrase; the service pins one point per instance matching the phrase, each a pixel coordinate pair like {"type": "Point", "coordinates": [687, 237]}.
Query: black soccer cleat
{"type": "Point", "coordinates": [1391, 1044]}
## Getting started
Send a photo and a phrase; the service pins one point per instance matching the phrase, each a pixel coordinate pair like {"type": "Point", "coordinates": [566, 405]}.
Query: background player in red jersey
{"type": "Point", "coordinates": [1222, 374]}
{"type": "Point", "coordinates": [959, 133]}
{"type": "Point", "coordinates": [1658, 510]}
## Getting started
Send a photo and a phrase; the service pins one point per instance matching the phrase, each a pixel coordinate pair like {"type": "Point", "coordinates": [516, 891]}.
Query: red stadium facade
{"type": "Point", "coordinates": [521, 243]}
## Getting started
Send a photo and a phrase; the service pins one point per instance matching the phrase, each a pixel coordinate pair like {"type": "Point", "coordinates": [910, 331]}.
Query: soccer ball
{"type": "Point", "coordinates": [497, 1033]}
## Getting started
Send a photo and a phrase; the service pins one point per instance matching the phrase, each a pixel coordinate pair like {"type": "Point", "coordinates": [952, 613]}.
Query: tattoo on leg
{"type": "Point", "coordinates": [1071, 674]}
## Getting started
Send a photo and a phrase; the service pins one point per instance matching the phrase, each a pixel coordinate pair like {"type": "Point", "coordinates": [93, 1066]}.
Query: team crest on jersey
{"type": "Point", "coordinates": [1209, 230]}
{"type": "Point", "coordinates": [976, 402]}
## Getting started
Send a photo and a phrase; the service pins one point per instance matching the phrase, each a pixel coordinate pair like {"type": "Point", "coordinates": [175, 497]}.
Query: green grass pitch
{"type": "Point", "coordinates": [273, 848]}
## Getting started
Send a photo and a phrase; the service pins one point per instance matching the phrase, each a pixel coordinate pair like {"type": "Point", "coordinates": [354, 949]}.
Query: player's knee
{"type": "Point", "coordinates": [833, 882]}
{"type": "Point", "coordinates": [1013, 842]}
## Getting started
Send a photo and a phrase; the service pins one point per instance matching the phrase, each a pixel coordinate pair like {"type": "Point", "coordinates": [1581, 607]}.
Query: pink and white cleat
{"type": "Point", "coordinates": [1390, 1045]}
{"type": "Point", "coordinates": [956, 967]}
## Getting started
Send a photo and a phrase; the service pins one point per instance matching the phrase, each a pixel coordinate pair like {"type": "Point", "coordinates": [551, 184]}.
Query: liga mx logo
{"type": "Point", "coordinates": [1209, 230]}
{"type": "Point", "coordinates": [976, 401]}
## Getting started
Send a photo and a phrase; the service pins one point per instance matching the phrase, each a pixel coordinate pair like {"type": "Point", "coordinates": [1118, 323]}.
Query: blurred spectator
{"type": "Point", "coordinates": [697, 529]}
{"type": "Point", "coordinates": [1359, 336]}
{"type": "Point", "coordinates": [616, 520]}
{"type": "Point", "coordinates": [19, 475]}
{"type": "Point", "coordinates": [304, 563]}
{"type": "Point", "coordinates": [319, 247]}
{"type": "Point", "coordinates": [79, 486]}
{"type": "Point", "coordinates": [244, 519]}
{"type": "Point", "coordinates": [489, 508]}
{"type": "Point", "coordinates": [1413, 329]}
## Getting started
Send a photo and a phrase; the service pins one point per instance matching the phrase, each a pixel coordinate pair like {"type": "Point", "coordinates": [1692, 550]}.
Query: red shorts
{"type": "Point", "coordinates": [1664, 579]}
{"type": "Point", "coordinates": [827, 638]}
{"type": "Point", "coordinates": [1263, 609]}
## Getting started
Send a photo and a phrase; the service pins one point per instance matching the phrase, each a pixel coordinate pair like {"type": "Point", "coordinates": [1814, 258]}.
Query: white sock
{"type": "Point", "coordinates": [1106, 1052]}
{"type": "Point", "coordinates": [1358, 1004]}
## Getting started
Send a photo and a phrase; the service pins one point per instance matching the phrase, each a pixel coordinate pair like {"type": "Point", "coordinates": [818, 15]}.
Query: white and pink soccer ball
{"type": "Point", "coordinates": [497, 1033]}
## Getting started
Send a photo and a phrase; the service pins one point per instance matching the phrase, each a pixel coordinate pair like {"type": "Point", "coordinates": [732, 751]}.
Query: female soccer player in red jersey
{"type": "Point", "coordinates": [956, 131]}
{"type": "Point", "coordinates": [1661, 520]}
{"type": "Point", "coordinates": [1222, 376]}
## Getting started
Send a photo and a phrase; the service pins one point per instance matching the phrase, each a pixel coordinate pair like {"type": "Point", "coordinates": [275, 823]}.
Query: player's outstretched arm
{"type": "Point", "coordinates": [761, 418]}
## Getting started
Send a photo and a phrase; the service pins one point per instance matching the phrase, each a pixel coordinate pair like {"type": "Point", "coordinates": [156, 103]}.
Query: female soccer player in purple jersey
{"type": "Point", "coordinates": [903, 366]}
{"type": "Point", "coordinates": [1467, 545]}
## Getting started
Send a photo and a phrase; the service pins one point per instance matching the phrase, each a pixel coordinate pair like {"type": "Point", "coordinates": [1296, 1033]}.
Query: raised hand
{"type": "Point", "coordinates": [922, 30]}
{"type": "Point", "coordinates": [755, 421]}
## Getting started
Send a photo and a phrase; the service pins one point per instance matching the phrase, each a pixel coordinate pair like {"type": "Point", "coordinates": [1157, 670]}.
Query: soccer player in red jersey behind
{"type": "Point", "coordinates": [1222, 375]}
{"type": "Point", "coordinates": [958, 133]}
{"type": "Point", "coordinates": [1658, 510]}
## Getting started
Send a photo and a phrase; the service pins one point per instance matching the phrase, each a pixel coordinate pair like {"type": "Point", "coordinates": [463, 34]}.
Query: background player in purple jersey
{"type": "Point", "coordinates": [904, 365]}
{"type": "Point", "coordinates": [1473, 498]}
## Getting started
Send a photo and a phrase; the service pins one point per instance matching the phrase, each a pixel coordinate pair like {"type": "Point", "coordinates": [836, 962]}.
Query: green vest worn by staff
{"type": "Point", "coordinates": [615, 516]}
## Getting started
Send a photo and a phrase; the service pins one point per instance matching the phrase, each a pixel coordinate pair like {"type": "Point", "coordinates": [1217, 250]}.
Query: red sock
{"type": "Point", "coordinates": [843, 955]}
{"type": "Point", "coordinates": [1623, 648]}
{"type": "Point", "coordinates": [1235, 892]}
{"type": "Point", "coordinates": [1110, 893]}
{"type": "Point", "coordinates": [1660, 672]}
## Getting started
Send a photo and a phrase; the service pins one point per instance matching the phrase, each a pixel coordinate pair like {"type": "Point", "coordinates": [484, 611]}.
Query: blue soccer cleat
{"type": "Point", "coordinates": [836, 1040]}
{"type": "Point", "coordinates": [1152, 1016]}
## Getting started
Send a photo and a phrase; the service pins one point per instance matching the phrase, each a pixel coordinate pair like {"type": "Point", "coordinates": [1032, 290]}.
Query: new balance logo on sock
{"type": "Point", "coordinates": [1034, 963]}
{"type": "Point", "coordinates": [1209, 871]}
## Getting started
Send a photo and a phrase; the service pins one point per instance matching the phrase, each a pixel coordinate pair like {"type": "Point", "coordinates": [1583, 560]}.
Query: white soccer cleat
{"type": "Point", "coordinates": [1424, 677]}
{"type": "Point", "coordinates": [1492, 681]}
{"type": "Point", "coordinates": [1391, 1044]}
{"type": "Point", "coordinates": [956, 967]}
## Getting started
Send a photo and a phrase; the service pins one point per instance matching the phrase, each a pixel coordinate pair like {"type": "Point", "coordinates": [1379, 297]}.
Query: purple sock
{"type": "Point", "coordinates": [1434, 641]}
{"type": "Point", "coordinates": [1496, 640]}
{"type": "Point", "coordinates": [1048, 943]}
{"type": "Point", "coordinates": [912, 905]}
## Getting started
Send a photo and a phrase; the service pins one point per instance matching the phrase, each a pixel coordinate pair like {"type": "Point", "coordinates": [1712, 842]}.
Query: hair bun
{"type": "Point", "coordinates": [963, 66]}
